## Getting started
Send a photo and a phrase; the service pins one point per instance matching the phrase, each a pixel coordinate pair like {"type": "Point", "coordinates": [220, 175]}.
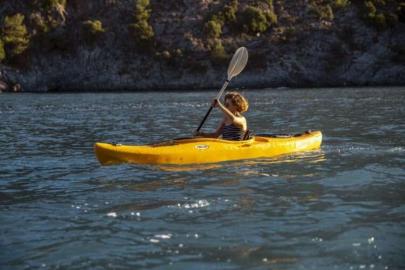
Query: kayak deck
{"type": "Point", "coordinates": [205, 150]}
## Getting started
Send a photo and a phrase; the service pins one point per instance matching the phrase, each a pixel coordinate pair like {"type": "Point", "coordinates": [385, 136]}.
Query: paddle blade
{"type": "Point", "coordinates": [238, 62]}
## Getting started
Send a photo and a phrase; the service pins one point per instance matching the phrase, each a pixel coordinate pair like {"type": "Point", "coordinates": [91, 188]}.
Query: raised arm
{"type": "Point", "coordinates": [237, 120]}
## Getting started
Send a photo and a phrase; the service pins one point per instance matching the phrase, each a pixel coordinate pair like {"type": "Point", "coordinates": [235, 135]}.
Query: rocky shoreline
{"type": "Point", "coordinates": [322, 53]}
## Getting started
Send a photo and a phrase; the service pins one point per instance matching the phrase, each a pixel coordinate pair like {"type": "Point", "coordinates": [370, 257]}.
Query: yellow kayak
{"type": "Point", "coordinates": [206, 150]}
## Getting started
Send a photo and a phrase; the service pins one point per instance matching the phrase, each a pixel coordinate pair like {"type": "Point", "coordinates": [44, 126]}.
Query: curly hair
{"type": "Point", "coordinates": [238, 101]}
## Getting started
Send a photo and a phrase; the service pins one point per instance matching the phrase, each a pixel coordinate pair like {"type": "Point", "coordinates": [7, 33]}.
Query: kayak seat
{"type": "Point", "coordinates": [247, 135]}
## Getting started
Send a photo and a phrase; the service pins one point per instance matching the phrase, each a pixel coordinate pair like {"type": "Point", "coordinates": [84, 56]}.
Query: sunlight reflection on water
{"type": "Point", "coordinates": [339, 207]}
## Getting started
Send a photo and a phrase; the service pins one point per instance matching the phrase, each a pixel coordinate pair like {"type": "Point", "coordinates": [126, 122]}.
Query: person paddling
{"type": "Point", "coordinates": [233, 126]}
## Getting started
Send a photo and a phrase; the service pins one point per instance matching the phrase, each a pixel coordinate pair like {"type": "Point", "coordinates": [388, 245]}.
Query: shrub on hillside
{"type": "Point", "coordinates": [215, 21]}
{"type": "Point", "coordinates": [142, 11]}
{"type": "Point", "coordinates": [322, 12]}
{"type": "Point", "coordinates": [92, 31]}
{"type": "Point", "coordinates": [392, 19]}
{"type": "Point", "coordinates": [229, 14]}
{"type": "Point", "coordinates": [380, 21]}
{"type": "Point", "coordinates": [141, 33]}
{"type": "Point", "coordinates": [289, 33]}
{"type": "Point", "coordinates": [2, 52]}
{"type": "Point", "coordinates": [15, 35]}
{"type": "Point", "coordinates": [257, 21]}
{"type": "Point", "coordinates": [39, 24]}
{"type": "Point", "coordinates": [212, 29]}
{"type": "Point", "coordinates": [271, 18]}
{"type": "Point", "coordinates": [368, 11]}
{"type": "Point", "coordinates": [372, 17]}
{"type": "Point", "coordinates": [177, 54]}
{"type": "Point", "coordinates": [328, 12]}
{"type": "Point", "coordinates": [340, 4]}
{"type": "Point", "coordinates": [93, 27]}
{"type": "Point", "coordinates": [166, 55]}
{"type": "Point", "coordinates": [219, 57]}
{"type": "Point", "coordinates": [172, 59]}
{"type": "Point", "coordinates": [46, 37]}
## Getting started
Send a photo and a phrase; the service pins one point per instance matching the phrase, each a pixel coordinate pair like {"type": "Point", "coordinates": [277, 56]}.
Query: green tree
{"type": "Point", "coordinates": [142, 11]}
{"type": "Point", "coordinates": [140, 31]}
{"type": "Point", "coordinates": [322, 12]}
{"type": "Point", "coordinates": [15, 36]}
{"type": "Point", "coordinates": [93, 27]}
{"type": "Point", "coordinates": [92, 31]}
{"type": "Point", "coordinates": [212, 29]}
{"type": "Point", "coordinates": [218, 18]}
{"type": "Point", "coordinates": [229, 14]}
{"type": "Point", "coordinates": [219, 57]}
{"type": "Point", "coordinates": [328, 12]}
{"type": "Point", "coordinates": [255, 20]}
{"type": "Point", "coordinates": [340, 4]}
{"type": "Point", "coordinates": [271, 18]}
{"type": "Point", "coordinates": [215, 21]}
{"type": "Point", "coordinates": [369, 10]}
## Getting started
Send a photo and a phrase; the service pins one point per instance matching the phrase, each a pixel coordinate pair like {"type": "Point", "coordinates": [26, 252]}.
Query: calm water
{"type": "Point", "coordinates": [342, 207]}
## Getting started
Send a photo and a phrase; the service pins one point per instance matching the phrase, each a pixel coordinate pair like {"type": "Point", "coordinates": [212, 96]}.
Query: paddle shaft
{"type": "Point", "coordinates": [210, 109]}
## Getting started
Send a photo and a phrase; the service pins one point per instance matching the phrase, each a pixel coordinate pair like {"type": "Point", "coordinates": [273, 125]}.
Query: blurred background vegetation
{"type": "Point", "coordinates": [143, 28]}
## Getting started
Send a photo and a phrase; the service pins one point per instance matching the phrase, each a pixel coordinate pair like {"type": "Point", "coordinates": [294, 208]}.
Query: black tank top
{"type": "Point", "coordinates": [232, 133]}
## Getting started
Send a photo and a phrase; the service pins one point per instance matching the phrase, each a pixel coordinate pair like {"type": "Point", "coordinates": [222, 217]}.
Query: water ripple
{"type": "Point", "coordinates": [340, 207]}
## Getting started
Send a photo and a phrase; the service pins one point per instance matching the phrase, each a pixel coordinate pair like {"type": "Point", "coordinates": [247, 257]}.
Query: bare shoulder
{"type": "Point", "coordinates": [242, 118]}
{"type": "Point", "coordinates": [241, 122]}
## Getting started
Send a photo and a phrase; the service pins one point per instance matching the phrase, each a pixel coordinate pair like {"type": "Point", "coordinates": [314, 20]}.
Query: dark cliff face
{"type": "Point", "coordinates": [313, 43]}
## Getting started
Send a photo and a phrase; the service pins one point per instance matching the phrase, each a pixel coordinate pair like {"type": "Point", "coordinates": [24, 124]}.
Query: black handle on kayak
{"type": "Point", "coordinates": [205, 118]}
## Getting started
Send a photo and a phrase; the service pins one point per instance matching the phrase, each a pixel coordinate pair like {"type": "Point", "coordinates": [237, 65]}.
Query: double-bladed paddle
{"type": "Point", "coordinates": [236, 66]}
